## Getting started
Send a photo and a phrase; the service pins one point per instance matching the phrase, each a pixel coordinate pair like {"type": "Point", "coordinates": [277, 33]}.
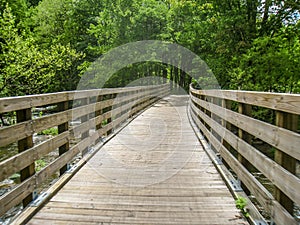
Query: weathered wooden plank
{"type": "Point", "coordinates": [25, 129]}
{"type": "Point", "coordinates": [190, 214]}
{"type": "Point", "coordinates": [85, 118]}
{"type": "Point", "coordinates": [16, 132]}
{"type": "Point", "coordinates": [107, 91]}
{"type": "Point", "coordinates": [153, 200]}
{"type": "Point", "coordinates": [83, 110]}
{"type": "Point", "coordinates": [14, 197]}
{"type": "Point", "coordinates": [281, 138]}
{"type": "Point", "coordinates": [163, 222]}
{"type": "Point", "coordinates": [22, 160]}
{"type": "Point", "coordinates": [196, 183]}
{"type": "Point", "coordinates": [290, 122]}
{"type": "Point", "coordinates": [143, 206]}
{"type": "Point", "coordinates": [281, 216]}
{"type": "Point", "coordinates": [17, 103]}
{"type": "Point", "coordinates": [89, 219]}
{"type": "Point", "coordinates": [277, 101]}
{"type": "Point", "coordinates": [29, 211]}
{"type": "Point", "coordinates": [283, 179]}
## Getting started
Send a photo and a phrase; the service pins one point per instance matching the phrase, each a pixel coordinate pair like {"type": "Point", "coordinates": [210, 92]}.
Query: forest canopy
{"type": "Point", "coordinates": [47, 45]}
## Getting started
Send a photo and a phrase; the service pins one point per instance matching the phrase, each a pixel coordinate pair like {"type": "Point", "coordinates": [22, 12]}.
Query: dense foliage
{"type": "Point", "coordinates": [46, 45]}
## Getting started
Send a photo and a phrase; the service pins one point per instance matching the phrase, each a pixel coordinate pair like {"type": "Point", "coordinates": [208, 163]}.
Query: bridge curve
{"type": "Point", "coordinates": [137, 166]}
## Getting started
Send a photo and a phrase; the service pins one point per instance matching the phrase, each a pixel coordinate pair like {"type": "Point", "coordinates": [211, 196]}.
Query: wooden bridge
{"type": "Point", "coordinates": [141, 156]}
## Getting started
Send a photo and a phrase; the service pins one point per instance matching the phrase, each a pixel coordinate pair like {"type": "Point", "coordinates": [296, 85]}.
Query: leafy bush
{"type": "Point", "coordinates": [51, 131]}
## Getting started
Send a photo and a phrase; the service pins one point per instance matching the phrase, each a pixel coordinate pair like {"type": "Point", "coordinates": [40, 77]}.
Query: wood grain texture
{"type": "Point", "coordinates": [283, 179]}
{"type": "Point", "coordinates": [278, 101]}
{"type": "Point", "coordinates": [25, 129]}
{"type": "Point", "coordinates": [153, 172]}
{"type": "Point", "coordinates": [24, 159]}
{"type": "Point", "coordinates": [17, 103]}
{"type": "Point", "coordinates": [280, 138]}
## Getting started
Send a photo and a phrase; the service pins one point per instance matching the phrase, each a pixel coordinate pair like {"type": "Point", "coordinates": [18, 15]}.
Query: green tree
{"type": "Point", "coordinates": [27, 69]}
{"type": "Point", "coordinates": [121, 22]}
{"type": "Point", "coordinates": [271, 64]}
{"type": "Point", "coordinates": [67, 22]}
{"type": "Point", "coordinates": [19, 8]}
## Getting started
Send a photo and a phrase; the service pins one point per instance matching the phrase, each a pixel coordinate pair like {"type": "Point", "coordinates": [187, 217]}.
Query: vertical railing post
{"type": "Point", "coordinates": [290, 122]}
{"type": "Point", "coordinates": [99, 113]}
{"type": "Point", "coordinates": [136, 103]}
{"type": "Point", "coordinates": [213, 117]}
{"type": "Point", "coordinates": [207, 112]}
{"type": "Point", "coordinates": [84, 118]}
{"type": "Point", "coordinates": [201, 97]}
{"type": "Point", "coordinates": [147, 97]}
{"type": "Point", "coordinates": [246, 110]}
{"type": "Point", "coordinates": [63, 106]}
{"type": "Point", "coordinates": [227, 105]}
{"type": "Point", "coordinates": [23, 145]}
{"type": "Point", "coordinates": [109, 120]}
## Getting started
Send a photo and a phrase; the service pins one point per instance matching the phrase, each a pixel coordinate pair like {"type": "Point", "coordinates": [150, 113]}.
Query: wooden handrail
{"type": "Point", "coordinates": [112, 106]}
{"type": "Point", "coordinates": [231, 133]}
{"type": "Point", "coordinates": [278, 101]}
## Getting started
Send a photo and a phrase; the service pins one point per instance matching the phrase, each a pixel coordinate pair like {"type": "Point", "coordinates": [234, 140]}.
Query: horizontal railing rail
{"type": "Point", "coordinates": [229, 122]}
{"type": "Point", "coordinates": [85, 116]}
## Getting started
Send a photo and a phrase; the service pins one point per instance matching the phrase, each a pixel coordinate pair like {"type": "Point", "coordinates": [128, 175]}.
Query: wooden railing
{"type": "Point", "coordinates": [226, 120]}
{"type": "Point", "coordinates": [98, 113]}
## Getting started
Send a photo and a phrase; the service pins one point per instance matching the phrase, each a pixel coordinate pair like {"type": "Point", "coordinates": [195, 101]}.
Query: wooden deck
{"type": "Point", "coordinates": [153, 172]}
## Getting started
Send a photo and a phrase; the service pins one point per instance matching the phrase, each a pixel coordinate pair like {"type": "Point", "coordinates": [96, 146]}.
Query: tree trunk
{"type": "Point", "coordinates": [265, 17]}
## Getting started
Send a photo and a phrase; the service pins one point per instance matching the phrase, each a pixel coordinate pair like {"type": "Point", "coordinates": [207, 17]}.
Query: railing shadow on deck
{"type": "Point", "coordinates": [97, 112]}
{"type": "Point", "coordinates": [225, 119]}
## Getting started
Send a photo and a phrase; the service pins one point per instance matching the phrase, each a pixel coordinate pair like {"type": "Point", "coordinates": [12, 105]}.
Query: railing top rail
{"type": "Point", "coordinates": [285, 102]}
{"type": "Point", "coordinates": [9, 104]}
